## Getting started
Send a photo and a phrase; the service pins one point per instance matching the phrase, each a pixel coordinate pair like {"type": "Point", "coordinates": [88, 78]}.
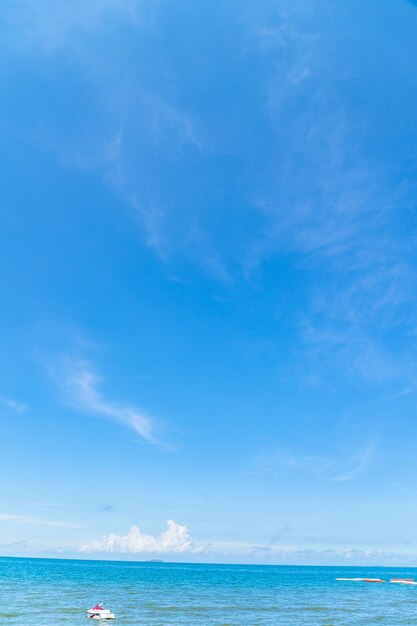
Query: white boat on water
{"type": "Point", "coordinates": [97, 612]}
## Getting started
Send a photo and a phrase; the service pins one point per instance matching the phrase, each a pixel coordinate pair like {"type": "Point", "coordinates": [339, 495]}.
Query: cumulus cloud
{"type": "Point", "coordinates": [79, 382]}
{"type": "Point", "coordinates": [174, 540]}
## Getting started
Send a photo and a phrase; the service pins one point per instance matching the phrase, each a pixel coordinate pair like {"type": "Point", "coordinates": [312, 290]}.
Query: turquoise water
{"type": "Point", "coordinates": [43, 591]}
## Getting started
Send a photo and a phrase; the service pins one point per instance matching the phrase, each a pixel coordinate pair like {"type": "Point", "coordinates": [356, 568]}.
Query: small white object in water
{"type": "Point", "coordinates": [403, 581]}
{"type": "Point", "coordinates": [364, 580]}
{"type": "Point", "coordinates": [97, 612]}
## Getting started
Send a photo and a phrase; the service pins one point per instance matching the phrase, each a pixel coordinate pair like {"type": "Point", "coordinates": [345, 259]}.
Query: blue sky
{"type": "Point", "coordinates": [208, 280]}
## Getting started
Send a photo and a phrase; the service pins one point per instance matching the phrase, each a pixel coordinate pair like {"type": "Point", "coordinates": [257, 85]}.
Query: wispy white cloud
{"type": "Point", "coordinates": [324, 555]}
{"type": "Point", "coordinates": [14, 405]}
{"type": "Point", "coordinates": [80, 383]}
{"type": "Point", "coordinates": [129, 110]}
{"type": "Point", "coordinates": [246, 551]}
{"type": "Point", "coordinates": [174, 540]}
{"type": "Point", "coordinates": [334, 205]}
{"type": "Point", "coordinates": [29, 519]}
{"type": "Point", "coordinates": [326, 468]}
{"type": "Point", "coordinates": [53, 24]}
{"type": "Point", "coordinates": [378, 401]}
{"type": "Point", "coordinates": [292, 552]}
{"type": "Point", "coordinates": [315, 191]}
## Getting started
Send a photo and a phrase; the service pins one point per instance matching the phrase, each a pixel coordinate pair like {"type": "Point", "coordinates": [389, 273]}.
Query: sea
{"type": "Point", "coordinates": [49, 592]}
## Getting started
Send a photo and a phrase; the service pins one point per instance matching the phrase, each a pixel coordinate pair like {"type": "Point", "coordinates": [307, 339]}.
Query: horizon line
{"type": "Point", "coordinates": [163, 562]}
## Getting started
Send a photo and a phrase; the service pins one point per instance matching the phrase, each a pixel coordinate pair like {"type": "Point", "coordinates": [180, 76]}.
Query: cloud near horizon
{"type": "Point", "coordinates": [29, 519]}
{"type": "Point", "coordinates": [174, 540]}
